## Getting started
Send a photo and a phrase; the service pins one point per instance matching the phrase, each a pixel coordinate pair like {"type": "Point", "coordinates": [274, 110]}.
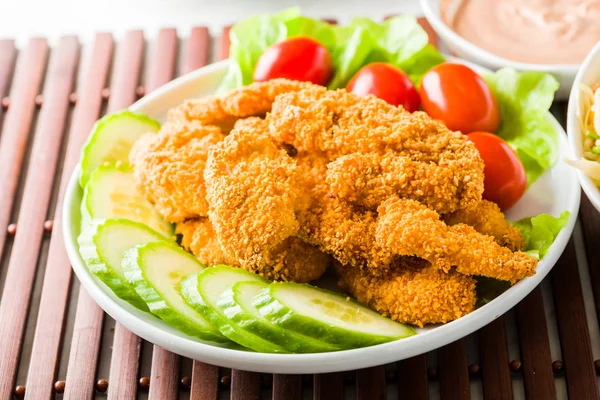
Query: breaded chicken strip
{"type": "Point", "coordinates": [252, 188]}
{"type": "Point", "coordinates": [346, 233]}
{"type": "Point", "coordinates": [416, 295]}
{"type": "Point", "coordinates": [369, 179]}
{"type": "Point", "coordinates": [487, 218]}
{"type": "Point", "coordinates": [169, 167]}
{"type": "Point", "coordinates": [292, 260]}
{"type": "Point", "coordinates": [199, 237]}
{"type": "Point", "coordinates": [223, 111]}
{"type": "Point", "coordinates": [409, 228]}
{"type": "Point", "coordinates": [376, 149]}
{"type": "Point", "coordinates": [254, 191]}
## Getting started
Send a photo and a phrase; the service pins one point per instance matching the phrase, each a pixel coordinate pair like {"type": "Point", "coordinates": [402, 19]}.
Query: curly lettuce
{"type": "Point", "coordinates": [399, 40]}
{"type": "Point", "coordinates": [524, 99]}
{"type": "Point", "coordinates": [540, 232]}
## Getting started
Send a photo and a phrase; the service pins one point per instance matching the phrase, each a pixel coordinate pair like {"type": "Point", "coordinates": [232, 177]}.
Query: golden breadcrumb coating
{"type": "Point", "coordinates": [416, 296]}
{"type": "Point", "coordinates": [292, 260]}
{"type": "Point", "coordinates": [369, 179]}
{"type": "Point", "coordinates": [252, 189]}
{"type": "Point", "coordinates": [349, 235]}
{"type": "Point", "coordinates": [198, 237]}
{"type": "Point", "coordinates": [409, 228]}
{"type": "Point", "coordinates": [385, 148]}
{"type": "Point", "coordinates": [223, 111]}
{"type": "Point", "coordinates": [487, 218]}
{"type": "Point", "coordinates": [169, 167]}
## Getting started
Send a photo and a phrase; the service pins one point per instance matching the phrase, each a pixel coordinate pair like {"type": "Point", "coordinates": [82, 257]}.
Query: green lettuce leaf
{"type": "Point", "coordinates": [354, 46]}
{"type": "Point", "coordinates": [540, 232]}
{"type": "Point", "coordinates": [249, 39]}
{"type": "Point", "coordinates": [399, 40]}
{"type": "Point", "coordinates": [321, 31]}
{"type": "Point", "coordinates": [524, 99]}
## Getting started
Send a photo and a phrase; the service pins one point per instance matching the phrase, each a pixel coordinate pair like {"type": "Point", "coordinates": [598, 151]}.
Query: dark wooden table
{"type": "Point", "coordinates": [55, 342]}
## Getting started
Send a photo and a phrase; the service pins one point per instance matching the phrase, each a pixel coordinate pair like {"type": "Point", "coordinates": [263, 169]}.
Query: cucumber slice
{"type": "Point", "coordinates": [155, 270]}
{"type": "Point", "coordinates": [327, 316]}
{"type": "Point", "coordinates": [102, 245]}
{"type": "Point", "coordinates": [202, 290]}
{"type": "Point", "coordinates": [237, 306]}
{"type": "Point", "coordinates": [111, 140]}
{"type": "Point", "coordinates": [113, 193]}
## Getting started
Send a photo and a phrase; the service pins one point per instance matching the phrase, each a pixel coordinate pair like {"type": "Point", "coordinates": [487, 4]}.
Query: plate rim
{"type": "Point", "coordinates": [313, 362]}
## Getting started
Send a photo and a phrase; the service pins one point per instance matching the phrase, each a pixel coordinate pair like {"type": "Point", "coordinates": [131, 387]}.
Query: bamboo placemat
{"type": "Point", "coordinates": [55, 342]}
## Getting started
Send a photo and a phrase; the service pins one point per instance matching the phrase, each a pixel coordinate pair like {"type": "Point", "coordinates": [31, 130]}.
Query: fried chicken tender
{"type": "Point", "coordinates": [292, 260]}
{"type": "Point", "coordinates": [369, 179]}
{"type": "Point", "coordinates": [487, 218]}
{"type": "Point", "coordinates": [223, 111]}
{"type": "Point", "coordinates": [253, 188]}
{"type": "Point", "coordinates": [349, 235]}
{"type": "Point", "coordinates": [169, 167]}
{"type": "Point", "coordinates": [410, 228]}
{"type": "Point", "coordinates": [199, 237]}
{"type": "Point", "coordinates": [414, 293]}
{"type": "Point", "coordinates": [377, 150]}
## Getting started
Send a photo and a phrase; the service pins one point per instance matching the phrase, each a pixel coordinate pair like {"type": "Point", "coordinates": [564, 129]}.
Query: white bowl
{"type": "Point", "coordinates": [462, 48]}
{"type": "Point", "coordinates": [589, 74]}
{"type": "Point", "coordinates": [557, 190]}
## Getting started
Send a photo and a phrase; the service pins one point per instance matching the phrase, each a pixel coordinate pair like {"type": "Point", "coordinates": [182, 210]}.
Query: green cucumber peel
{"type": "Point", "coordinates": [247, 317]}
{"type": "Point", "coordinates": [198, 297]}
{"type": "Point", "coordinates": [272, 304]}
{"type": "Point", "coordinates": [111, 139]}
{"type": "Point", "coordinates": [164, 300]}
{"type": "Point", "coordinates": [103, 256]}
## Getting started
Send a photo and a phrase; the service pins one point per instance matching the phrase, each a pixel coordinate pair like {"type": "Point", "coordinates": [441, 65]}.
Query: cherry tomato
{"type": "Point", "coordinates": [459, 97]}
{"type": "Point", "coordinates": [386, 82]}
{"type": "Point", "coordinates": [504, 176]}
{"type": "Point", "coordinates": [298, 58]}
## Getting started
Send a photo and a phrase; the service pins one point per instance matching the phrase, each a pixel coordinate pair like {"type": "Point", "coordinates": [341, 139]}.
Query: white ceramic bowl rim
{"type": "Point", "coordinates": [436, 21]}
{"type": "Point", "coordinates": [575, 134]}
{"type": "Point", "coordinates": [152, 329]}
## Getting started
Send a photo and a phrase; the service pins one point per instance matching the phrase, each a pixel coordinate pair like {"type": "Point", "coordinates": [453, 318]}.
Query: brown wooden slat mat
{"type": "Point", "coordinates": [55, 342]}
{"type": "Point", "coordinates": [13, 142]}
{"type": "Point", "coordinates": [85, 342]}
{"type": "Point", "coordinates": [493, 354]}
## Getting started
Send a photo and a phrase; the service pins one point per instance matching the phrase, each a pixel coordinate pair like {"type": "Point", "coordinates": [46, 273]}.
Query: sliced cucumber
{"type": "Point", "coordinates": [111, 140]}
{"type": "Point", "coordinates": [155, 270]}
{"type": "Point", "coordinates": [327, 316]}
{"type": "Point", "coordinates": [102, 245]}
{"type": "Point", "coordinates": [112, 192]}
{"type": "Point", "coordinates": [202, 290]}
{"type": "Point", "coordinates": [236, 304]}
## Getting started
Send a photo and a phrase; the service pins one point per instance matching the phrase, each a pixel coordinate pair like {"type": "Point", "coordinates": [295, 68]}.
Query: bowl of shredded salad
{"type": "Point", "coordinates": [583, 125]}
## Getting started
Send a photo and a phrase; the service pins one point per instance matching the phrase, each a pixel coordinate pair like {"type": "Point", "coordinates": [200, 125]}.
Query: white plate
{"type": "Point", "coordinates": [557, 190]}
{"type": "Point", "coordinates": [589, 74]}
{"type": "Point", "coordinates": [468, 51]}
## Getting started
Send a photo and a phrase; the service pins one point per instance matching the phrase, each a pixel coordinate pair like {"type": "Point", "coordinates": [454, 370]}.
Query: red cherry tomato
{"type": "Point", "coordinates": [386, 82]}
{"type": "Point", "coordinates": [504, 176]}
{"type": "Point", "coordinates": [298, 58]}
{"type": "Point", "coordinates": [459, 97]}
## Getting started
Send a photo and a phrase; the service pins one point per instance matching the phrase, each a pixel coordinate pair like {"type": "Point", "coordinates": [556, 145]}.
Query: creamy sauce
{"type": "Point", "coordinates": [530, 31]}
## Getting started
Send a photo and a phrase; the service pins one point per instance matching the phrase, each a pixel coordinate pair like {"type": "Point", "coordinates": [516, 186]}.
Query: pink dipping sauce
{"type": "Point", "coordinates": [529, 31]}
